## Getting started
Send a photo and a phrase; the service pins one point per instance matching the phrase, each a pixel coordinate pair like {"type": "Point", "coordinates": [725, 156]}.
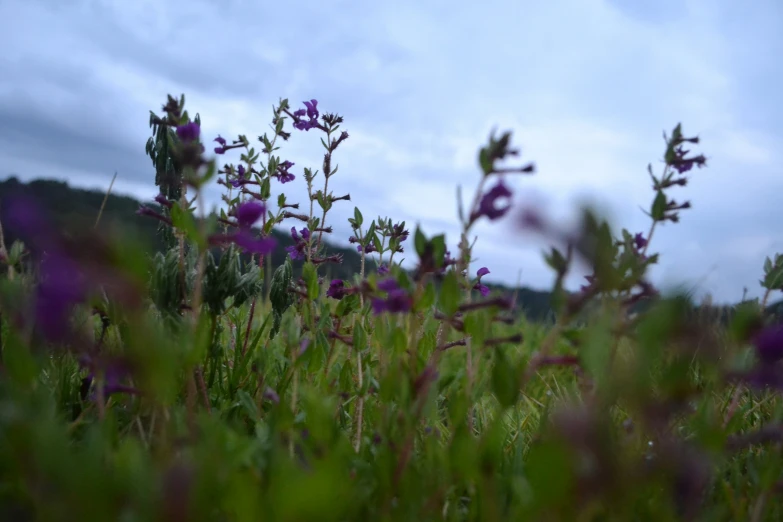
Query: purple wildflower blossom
{"type": "Point", "coordinates": [163, 201]}
{"type": "Point", "coordinates": [222, 148]}
{"type": "Point", "coordinates": [255, 245]}
{"type": "Point", "coordinates": [297, 250]}
{"type": "Point", "coordinates": [114, 371]}
{"type": "Point", "coordinates": [337, 289]}
{"type": "Point", "coordinates": [769, 344]}
{"type": "Point", "coordinates": [397, 300]}
{"type": "Point", "coordinates": [62, 286]}
{"type": "Point", "coordinates": [312, 109]}
{"type": "Point", "coordinates": [489, 202]}
{"type": "Point", "coordinates": [639, 241]}
{"type": "Point", "coordinates": [241, 178]}
{"type": "Point", "coordinates": [484, 289]}
{"type": "Point", "coordinates": [271, 395]}
{"type": "Point", "coordinates": [383, 269]}
{"type": "Point", "coordinates": [682, 164]}
{"type": "Point", "coordinates": [189, 132]}
{"type": "Point", "coordinates": [248, 213]}
{"type": "Point", "coordinates": [282, 174]}
{"type": "Point", "coordinates": [312, 113]}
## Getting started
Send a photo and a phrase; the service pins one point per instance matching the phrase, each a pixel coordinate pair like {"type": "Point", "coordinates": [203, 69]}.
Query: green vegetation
{"type": "Point", "coordinates": [168, 365]}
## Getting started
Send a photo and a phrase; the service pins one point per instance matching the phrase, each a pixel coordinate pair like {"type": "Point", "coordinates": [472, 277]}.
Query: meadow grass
{"type": "Point", "coordinates": [180, 387]}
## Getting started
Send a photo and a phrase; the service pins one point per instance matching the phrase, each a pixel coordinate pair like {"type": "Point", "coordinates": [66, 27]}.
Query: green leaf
{"type": "Point", "coordinates": [439, 249]}
{"type": "Point", "coordinates": [420, 241]}
{"type": "Point", "coordinates": [449, 294]}
{"type": "Point", "coordinates": [280, 294]}
{"type": "Point", "coordinates": [596, 350]}
{"type": "Point", "coordinates": [550, 473]}
{"type": "Point", "coordinates": [427, 299]}
{"type": "Point", "coordinates": [209, 174]}
{"type": "Point", "coordinates": [357, 217]}
{"type": "Point", "coordinates": [659, 206]}
{"type": "Point", "coordinates": [505, 380]}
{"type": "Point", "coordinates": [347, 305]}
{"type": "Point", "coordinates": [183, 220]}
{"type": "Point", "coordinates": [310, 276]}
{"type": "Point", "coordinates": [248, 404]}
{"type": "Point", "coordinates": [359, 337]}
{"type": "Point", "coordinates": [265, 189]}
{"type": "Point", "coordinates": [484, 162]}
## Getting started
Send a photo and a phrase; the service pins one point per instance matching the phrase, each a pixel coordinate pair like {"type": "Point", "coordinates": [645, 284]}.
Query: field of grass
{"type": "Point", "coordinates": [181, 387]}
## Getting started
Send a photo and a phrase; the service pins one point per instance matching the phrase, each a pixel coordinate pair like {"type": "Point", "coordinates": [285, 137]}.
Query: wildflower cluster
{"type": "Point", "coordinates": [232, 376]}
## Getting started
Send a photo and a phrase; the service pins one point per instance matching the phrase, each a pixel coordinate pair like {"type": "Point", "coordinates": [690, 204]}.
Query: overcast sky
{"type": "Point", "coordinates": [586, 86]}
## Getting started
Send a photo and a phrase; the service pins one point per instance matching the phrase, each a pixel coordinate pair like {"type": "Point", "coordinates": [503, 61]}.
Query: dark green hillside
{"type": "Point", "coordinates": [74, 209]}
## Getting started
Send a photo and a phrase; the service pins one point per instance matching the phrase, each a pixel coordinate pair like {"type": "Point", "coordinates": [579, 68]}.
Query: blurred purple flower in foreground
{"type": "Point", "coordinates": [189, 132]}
{"type": "Point", "coordinates": [337, 289]}
{"type": "Point", "coordinates": [247, 214]}
{"type": "Point", "coordinates": [488, 206]}
{"type": "Point", "coordinates": [62, 285]}
{"type": "Point", "coordinates": [397, 300]}
{"type": "Point", "coordinates": [769, 344]}
{"type": "Point", "coordinates": [114, 370]}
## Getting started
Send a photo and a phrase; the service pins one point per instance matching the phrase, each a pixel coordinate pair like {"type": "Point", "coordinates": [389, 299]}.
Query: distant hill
{"type": "Point", "coordinates": [73, 209]}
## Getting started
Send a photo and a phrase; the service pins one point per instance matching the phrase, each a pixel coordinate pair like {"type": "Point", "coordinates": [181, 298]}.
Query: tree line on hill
{"type": "Point", "coordinates": [73, 209]}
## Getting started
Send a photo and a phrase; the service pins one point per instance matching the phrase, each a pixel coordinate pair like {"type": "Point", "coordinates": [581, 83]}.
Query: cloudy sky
{"type": "Point", "coordinates": [586, 86]}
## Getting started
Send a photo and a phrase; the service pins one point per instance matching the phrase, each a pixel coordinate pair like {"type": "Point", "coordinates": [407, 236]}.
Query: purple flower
{"type": "Point", "coordinates": [248, 213]}
{"type": "Point", "coordinates": [222, 148]}
{"type": "Point", "coordinates": [163, 201]}
{"type": "Point", "coordinates": [397, 300]}
{"type": "Point", "coordinates": [388, 285]}
{"type": "Point", "coordinates": [683, 164]}
{"type": "Point", "coordinates": [271, 395]}
{"type": "Point", "coordinates": [282, 174]}
{"type": "Point", "coordinates": [254, 245]}
{"type": "Point", "coordinates": [312, 113]}
{"type": "Point", "coordinates": [383, 269]}
{"type": "Point", "coordinates": [294, 252]}
{"type": "Point", "coordinates": [188, 132]}
{"type": "Point", "coordinates": [29, 220]}
{"type": "Point", "coordinates": [531, 220]}
{"type": "Point", "coordinates": [297, 250]}
{"type": "Point", "coordinates": [489, 202]}
{"type": "Point", "coordinates": [639, 241]}
{"type": "Point", "coordinates": [769, 344]}
{"type": "Point", "coordinates": [114, 371]}
{"type": "Point", "coordinates": [484, 289]}
{"type": "Point", "coordinates": [62, 285]}
{"type": "Point", "coordinates": [337, 289]}
{"type": "Point", "coordinates": [312, 109]}
{"type": "Point", "coordinates": [241, 178]}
